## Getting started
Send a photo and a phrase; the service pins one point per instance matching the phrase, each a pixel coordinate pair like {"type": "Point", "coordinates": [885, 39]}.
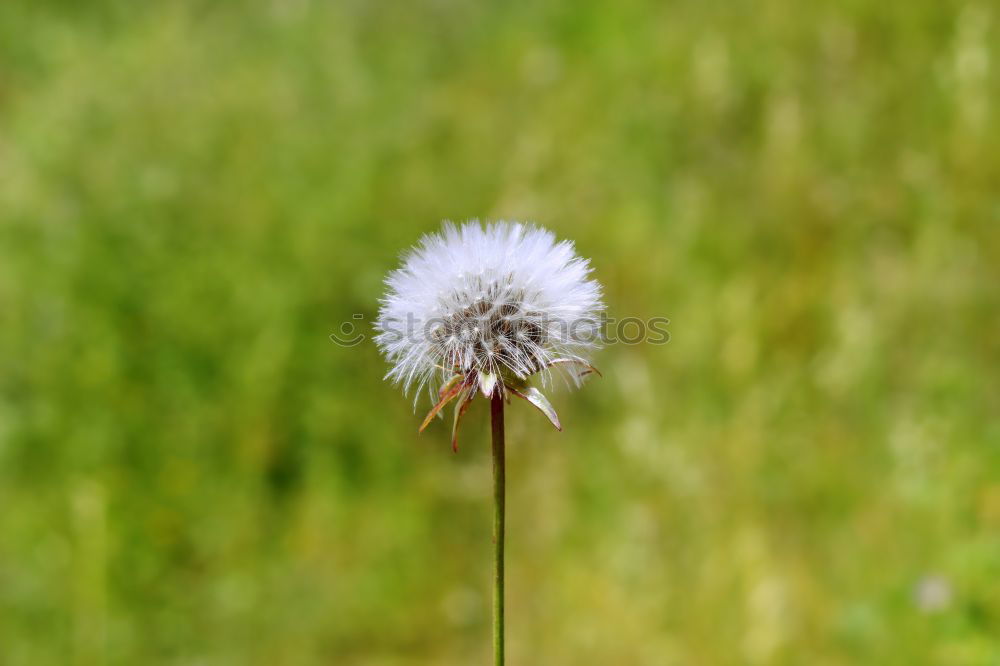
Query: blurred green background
{"type": "Point", "coordinates": [194, 195]}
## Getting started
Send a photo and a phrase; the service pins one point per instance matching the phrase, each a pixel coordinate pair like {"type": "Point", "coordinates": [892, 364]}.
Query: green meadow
{"type": "Point", "coordinates": [195, 195]}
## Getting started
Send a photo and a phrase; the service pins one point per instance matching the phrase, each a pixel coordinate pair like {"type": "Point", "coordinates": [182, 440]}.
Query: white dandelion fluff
{"type": "Point", "coordinates": [486, 308]}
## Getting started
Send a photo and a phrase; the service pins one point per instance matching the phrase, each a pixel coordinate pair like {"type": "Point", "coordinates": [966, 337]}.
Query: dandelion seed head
{"type": "Point", "coordinates": [505, 299]}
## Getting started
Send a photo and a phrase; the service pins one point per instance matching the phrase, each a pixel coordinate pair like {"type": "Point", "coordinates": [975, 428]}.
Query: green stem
{"type": "Point", "coordinates": [496, 418]}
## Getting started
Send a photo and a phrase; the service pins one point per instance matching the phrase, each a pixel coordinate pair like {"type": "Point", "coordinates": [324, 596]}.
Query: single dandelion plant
{"type": "Point", "coordinates": [497, 311]}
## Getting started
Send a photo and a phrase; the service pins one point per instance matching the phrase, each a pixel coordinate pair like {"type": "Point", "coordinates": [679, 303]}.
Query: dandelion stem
{"type": "Point", "coordinates": [496, 418]}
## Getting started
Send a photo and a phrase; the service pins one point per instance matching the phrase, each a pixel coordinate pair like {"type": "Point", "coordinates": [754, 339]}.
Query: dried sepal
{"type": "Point", "coordinates": [536, 398]}
{"type": "Point", "coordinates": [453, 389]}
{"type": "Point", "coordinates": [448, 385]}
{"type": "Point", "coordinates": [464, 400]}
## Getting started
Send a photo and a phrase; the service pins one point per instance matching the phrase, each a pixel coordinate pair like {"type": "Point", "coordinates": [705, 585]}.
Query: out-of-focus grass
{"type": "Point", "coordinates": [194, 195]}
